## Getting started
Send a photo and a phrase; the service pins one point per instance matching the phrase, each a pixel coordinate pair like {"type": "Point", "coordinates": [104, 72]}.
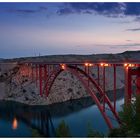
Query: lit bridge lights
{"type": "Point", "coordinates": [88, 64]}
{"type": "Point", "coordinates": [129, 65]}
{"type": "Point", "coordinates": [63, 66]}
{"type": "Point", "coordinates": [104, 64]}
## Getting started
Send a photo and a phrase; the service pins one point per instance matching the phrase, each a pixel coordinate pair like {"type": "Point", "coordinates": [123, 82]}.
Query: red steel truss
{"type": "Point", "coordinates": [45, 73]}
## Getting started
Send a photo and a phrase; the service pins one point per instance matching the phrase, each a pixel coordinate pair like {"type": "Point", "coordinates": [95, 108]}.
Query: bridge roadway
{"type": "Point", "coordinates": [120, 62]}
{"type": "Point", "coordinates": [135, 63]}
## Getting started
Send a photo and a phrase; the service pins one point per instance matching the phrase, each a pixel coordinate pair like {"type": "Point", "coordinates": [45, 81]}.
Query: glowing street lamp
{"type": "Point", "coordinates": [106, 65]}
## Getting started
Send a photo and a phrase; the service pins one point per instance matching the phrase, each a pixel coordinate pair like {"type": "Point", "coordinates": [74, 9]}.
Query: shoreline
{"type": "Point", "coordinates": [109, 93]}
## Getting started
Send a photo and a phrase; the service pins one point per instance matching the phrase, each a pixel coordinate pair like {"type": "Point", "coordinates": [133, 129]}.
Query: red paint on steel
{"type": "Point", "coordinates": [32, 72]}
{"type": "Point", "coordinates": [98, 74]}
{"type": "Point", "coordinates": [93, 95]}
{"type": "Point", "coordinates": [77, 73]}
{"type": "Point", "coordinates": [114, 87]}
{"type": "Point", "coordinates": [51, 80]}
{"type": "Point", "coordinates": [128, 86]}
{"type": "Point", "coordinates": [104, 87]}
{"type": "Point", "coordinates": [131, 68]}
{"type": "Point", "coordinates": [36, 70]}
{"type": "Point", "coordinates": [40, 79]}
{"type": "Point", "coordinates": [88, 73]}
{"type": "Point", "coordinates": [45, 72]}
{"type": "Point", "coordinates": [138, 85]}
{"type": "Point", "coordinates": [138, 81]}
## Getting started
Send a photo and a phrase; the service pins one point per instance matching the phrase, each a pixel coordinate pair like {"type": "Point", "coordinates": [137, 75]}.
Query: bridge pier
{"type": "Point", "coordinates": [98, 74]}
{"type": "Point", "coordinates": [40, 79]}
{"type": "Point", "coordinates": [104, 88]}
{"type": "Point", "coordinates": [128, 85]}
{"type": "Point", "coordinates": [36, 70]}
{"type": "Point", "coordinates": [138, 82]}
{"type": "Point", "coordinates": [129, 72]}
{"type": "Point", "coordinates": [32, 71]}
{"type": "Point", "coordinates": [45, 72]}
{"type": "Point", "coordinates": [114, 67]}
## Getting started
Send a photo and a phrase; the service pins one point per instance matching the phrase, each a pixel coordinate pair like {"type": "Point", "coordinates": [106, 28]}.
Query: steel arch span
{"type": "Point", "coordinates": [92, 87]}
{"type": "Point", "coordinates": [45, 73]}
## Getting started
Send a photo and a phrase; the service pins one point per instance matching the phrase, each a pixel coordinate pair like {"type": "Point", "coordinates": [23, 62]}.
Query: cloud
{"type": "Point", "coordinates": [65, 11]}
{"type": "Point", "coordinates": [132, 9]}
{"type": "Point", "coordinates": [114, 46]}
{"type": "Point", "coordinates": [133, 30]}
{"type": "Point", "coordinates": [107, 9]}
{"type": "Point", "coordinates": [137, 19]}
{"type": "Point", "coordinates": [25, 11]}
{"type": "Point", "coordinates": [130, 45]}
{"type": "Point", "coordinates": [21, 11]}
{"type": "Point", "coordinates": [43, 8]}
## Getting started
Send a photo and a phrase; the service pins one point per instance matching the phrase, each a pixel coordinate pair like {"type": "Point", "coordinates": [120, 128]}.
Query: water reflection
{"type": "Point", "coordinates": [31, 116]}
{"type": "Point", "coordinates": [45, 119]}
{"type": "Point", "coordinates": [14, 123]}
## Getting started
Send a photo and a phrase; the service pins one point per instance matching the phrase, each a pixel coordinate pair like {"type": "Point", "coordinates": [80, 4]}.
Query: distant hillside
{"type": "Point", "coordinates": [1, 59]}
{"type": "Point", "coordinates": [131, 52]}
{"type": "Point", "coordinates": [127, 55]}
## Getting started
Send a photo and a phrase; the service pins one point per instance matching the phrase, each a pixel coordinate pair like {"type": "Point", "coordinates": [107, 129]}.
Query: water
{"type": "Point", "coordinates": [19, 120]}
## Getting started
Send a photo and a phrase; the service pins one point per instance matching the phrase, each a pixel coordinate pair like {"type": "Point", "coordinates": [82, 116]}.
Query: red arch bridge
{"type": "Point", "coordinates": [45, 73]}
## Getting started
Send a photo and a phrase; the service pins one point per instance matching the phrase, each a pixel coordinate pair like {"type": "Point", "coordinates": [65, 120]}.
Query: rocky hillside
{"type": "Point", "coordinates": [128, 55]}
{"type": "Point", "coordinates": [66, 87]}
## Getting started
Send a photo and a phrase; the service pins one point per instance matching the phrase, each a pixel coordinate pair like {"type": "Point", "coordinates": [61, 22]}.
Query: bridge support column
{"type": "Point", "coordinates": [32, 72]}
{"type": "Point", "coordinates": [48, 69]}
{"type": "Point", "coordinates": [98, 74]}
{"type": "Point", "coordinates": [114, 87]}
{"type": "Point", "coordinates": [104, 88]}
{"type": "Point", "coordinates": [85, 68]}
{"type": "Point", "coordinates": [40, 79]}
{"type": "Point", "coordinates": [45, 72]}
{"type": "Point", "coordinates": [47, 75]}
{"type": "Point", "coordinates": [138, 82]}
{"type": "Point", "coordinates": [28, 68]}
{"type": "Point", "coordinates": [128, 86]}
{"type": "Point", "coordinates": [36, 71]}
{"type": "Point", "coordinates": [88, 68]}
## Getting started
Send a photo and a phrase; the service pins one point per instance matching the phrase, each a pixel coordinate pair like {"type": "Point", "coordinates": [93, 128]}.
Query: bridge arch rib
{"type": "Point", "coordinates": [98, 96]}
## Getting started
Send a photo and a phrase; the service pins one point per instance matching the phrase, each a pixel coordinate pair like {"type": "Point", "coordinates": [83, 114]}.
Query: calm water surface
{"type": "Point", "coordinates": [18, 120]}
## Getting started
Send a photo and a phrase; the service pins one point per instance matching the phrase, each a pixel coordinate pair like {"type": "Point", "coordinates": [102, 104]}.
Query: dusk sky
{"type": "Point", "coordinates": [29, 29]}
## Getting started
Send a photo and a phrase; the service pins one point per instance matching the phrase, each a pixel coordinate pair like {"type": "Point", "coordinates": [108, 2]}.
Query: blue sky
{"type": "Point", "coordinates": [29, 29]}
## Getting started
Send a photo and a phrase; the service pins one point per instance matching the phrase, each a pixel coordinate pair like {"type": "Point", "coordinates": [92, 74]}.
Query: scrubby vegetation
{"type": "Point", "coordinates": [63, 130]}
{"type": "Point", "coordinates": [130, 116]}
